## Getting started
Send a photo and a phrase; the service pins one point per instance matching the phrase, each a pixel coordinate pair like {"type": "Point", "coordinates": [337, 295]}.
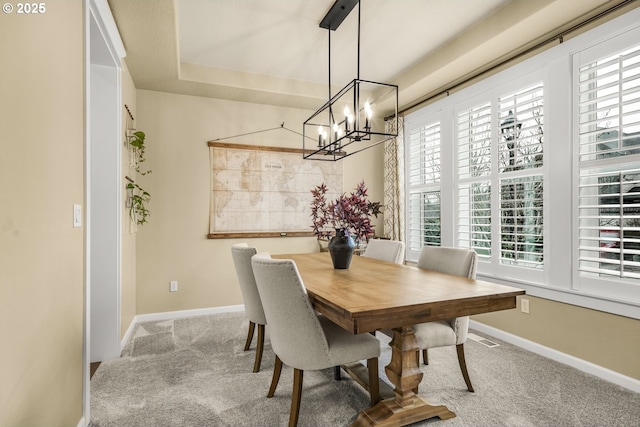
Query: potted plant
{"type": "Point", "coordinates": [342, 220]}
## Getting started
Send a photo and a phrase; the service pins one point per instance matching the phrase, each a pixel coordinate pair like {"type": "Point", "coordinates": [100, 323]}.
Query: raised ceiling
{"type": "Point", "coordinates": [274, 52]}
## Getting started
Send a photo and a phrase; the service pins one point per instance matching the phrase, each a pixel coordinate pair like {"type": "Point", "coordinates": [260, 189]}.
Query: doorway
{"type": "Point", "coordinates": [103, 191]}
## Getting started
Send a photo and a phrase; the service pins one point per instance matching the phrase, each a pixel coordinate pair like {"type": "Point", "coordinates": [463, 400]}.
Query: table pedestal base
{"type": "Point", "coordinates": [403, 372]}
{"type": "Point", "coordinates": [389, 413]}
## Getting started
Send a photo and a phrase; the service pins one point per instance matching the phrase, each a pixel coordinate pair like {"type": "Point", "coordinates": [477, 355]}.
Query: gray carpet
{"type": "Point", "coordinates": [193, 372]}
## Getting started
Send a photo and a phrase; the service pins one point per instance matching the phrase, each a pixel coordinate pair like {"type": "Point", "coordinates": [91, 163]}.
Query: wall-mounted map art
{"type": "Point", "coordinates": [259, 191]}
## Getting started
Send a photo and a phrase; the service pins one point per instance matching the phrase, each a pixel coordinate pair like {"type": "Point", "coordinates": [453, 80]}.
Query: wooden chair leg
{"type": "Point", "coordinates": [259, 347]}
{"type": "Point", "coordinates": [425, 356]}
{"type": "Point", "coordinates": [463, 366]}
{"type": "Point", "coordinates": [415, 390]}
{"type": "Point", "coordinates": [296, 396]}
{"type": "Point", "coordinates": [277, 368]}
{"type": "Point", "coordinates": [249, 336]}
{"type": "Point", "coordinates": [337, 375]}
{"type": "Point", "coordinates": [374, 380]}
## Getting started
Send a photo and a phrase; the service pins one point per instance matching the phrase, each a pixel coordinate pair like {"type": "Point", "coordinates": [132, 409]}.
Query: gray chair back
{"type": "Point", "coordinates": [385, 250]}
{"type": "Point", "coordinates": [296, 334]}
{"type": "Point", "coordinates": [457, 261]}
{"type": "Point", "coordinates": [242, 254]}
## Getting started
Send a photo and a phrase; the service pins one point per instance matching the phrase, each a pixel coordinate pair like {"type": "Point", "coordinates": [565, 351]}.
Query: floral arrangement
{"type": "Point", "coordinates": [351, 214]}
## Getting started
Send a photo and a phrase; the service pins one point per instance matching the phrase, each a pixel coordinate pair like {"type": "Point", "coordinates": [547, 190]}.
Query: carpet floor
{"type": "Point", "coordinates": [194, 372]}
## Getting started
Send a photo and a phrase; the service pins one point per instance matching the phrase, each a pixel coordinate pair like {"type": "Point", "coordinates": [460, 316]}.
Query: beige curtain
{"type": "Point", "coordinates": [394, 182]}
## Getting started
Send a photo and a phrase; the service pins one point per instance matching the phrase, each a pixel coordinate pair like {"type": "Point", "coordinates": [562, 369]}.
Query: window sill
{"type": "Point", "coordinates": [570, 296]}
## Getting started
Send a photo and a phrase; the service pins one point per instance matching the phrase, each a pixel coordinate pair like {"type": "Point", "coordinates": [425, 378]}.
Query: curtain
{"type": "Point", "coordinates": [394, 182]}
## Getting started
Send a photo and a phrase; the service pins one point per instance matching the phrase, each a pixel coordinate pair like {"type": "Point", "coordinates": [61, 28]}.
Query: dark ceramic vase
{"type": "Point", "coordinates": [341, 250]}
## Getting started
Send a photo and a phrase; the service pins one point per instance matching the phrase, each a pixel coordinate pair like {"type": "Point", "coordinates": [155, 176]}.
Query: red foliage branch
{"type": "Point", "coordinates": [350, 213]}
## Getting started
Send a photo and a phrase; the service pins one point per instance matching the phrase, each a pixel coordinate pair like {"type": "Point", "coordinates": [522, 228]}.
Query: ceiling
{"type": "Point", "coordinates": [274, 52]}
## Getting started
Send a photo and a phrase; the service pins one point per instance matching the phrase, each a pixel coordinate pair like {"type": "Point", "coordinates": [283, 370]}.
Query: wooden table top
{"type": "Point", "coordinates": [374, 294]}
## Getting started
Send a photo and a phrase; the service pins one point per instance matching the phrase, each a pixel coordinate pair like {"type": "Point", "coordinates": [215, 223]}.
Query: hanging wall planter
{"type": "Point", "coordinates": [138, 198]}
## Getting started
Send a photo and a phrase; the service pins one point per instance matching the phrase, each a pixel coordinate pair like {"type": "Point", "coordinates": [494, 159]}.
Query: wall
{"type": "Point", "coordinates": [41, 178]}
{"type": "Point", "coordinates": [601, 338]}
{"type": "Point", "coordinates": [173, 245]}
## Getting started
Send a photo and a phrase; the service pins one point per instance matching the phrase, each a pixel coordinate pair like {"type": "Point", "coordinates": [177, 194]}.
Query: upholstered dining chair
{"type": "Point", "coordinates": [302, 339]}
{"type": "Point", "coordinates": [242, 254]}
{"type": "Point", "coordinates": [385, 250]}
{"type": "Point", "coordinates": [459, 262]}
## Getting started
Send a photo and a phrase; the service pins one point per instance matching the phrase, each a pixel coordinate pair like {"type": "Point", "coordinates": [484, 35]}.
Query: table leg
{"type": "Point", "coordinates": [406, 407]}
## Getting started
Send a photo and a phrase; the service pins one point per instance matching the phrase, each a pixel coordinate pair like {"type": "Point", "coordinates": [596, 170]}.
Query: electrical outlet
{"type": "Point", "coordinates": [524, 306]}
{"type": "Point", "coordinates": [174, 286]}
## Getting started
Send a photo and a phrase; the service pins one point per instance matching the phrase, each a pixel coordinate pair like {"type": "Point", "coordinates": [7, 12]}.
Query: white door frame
{"type": "Point", "coordinates": [102, 188]}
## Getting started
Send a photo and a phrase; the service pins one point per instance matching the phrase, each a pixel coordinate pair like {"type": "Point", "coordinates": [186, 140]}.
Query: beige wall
{"type": "Point", "coordinates": [173, 246]}
{"type": "Point", "coordinates": [601, 338]}
{"type": "Point", "coordinates": [41, 254]}
{"type": "Point", "coordinates": [128, 277]}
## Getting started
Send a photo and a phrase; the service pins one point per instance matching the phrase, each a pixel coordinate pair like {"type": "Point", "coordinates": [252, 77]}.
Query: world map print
{"type": "Point", "coordinates": [265, 190]}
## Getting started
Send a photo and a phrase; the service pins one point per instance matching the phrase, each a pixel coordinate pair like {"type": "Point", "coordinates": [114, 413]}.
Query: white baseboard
{"type": "Point", "coordinates": [583, 365]}
{"type": "Point", "coordinates": [81, 423]}
{"type": "Point", "coordinates": [168, 315]}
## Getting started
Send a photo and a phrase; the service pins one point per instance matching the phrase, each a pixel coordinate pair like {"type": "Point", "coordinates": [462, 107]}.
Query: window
{"type": "Point", "coordinates": [424, 187]}
{"type": "Point", "coordinates": [521, 182]}
{"type": "Point", "coordinates": [516, 174]}
{"type": "Point", "coordinates": [537, 168]}
{"type": "Point", "coordinates": [521, 239]}
{"type": "Point", "coordinates": [474, 172]}
{"type": "Point", "coordinates": [608, 110]}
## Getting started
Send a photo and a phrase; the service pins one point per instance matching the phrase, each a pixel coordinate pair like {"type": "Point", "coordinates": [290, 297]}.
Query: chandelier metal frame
{"type": "Point", "coordinates": [335, 138]}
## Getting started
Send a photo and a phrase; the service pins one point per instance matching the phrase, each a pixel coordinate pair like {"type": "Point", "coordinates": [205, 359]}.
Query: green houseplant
{"type": "Point", "coordinates": [139, 198]}
{"type": "Point", "coordinates": [136, 140]}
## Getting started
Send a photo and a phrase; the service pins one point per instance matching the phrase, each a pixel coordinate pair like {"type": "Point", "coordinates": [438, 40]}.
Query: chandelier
{"type": "Point", "coordinates": [350, 121]}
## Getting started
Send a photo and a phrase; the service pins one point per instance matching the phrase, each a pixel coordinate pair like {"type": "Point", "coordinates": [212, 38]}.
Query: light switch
{"type": "Point", "coordinates": [77, 216]}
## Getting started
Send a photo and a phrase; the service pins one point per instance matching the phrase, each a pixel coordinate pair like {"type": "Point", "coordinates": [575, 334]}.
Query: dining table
{"type": "Point", "coordinates": [374, 295]}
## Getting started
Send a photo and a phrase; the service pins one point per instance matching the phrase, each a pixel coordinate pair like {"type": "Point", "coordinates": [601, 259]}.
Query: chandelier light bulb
{"type": "Point", "coordinates": [348, 119]}
{"type": "Point", "coordinates": [367, 109]}
{"type": "Point", "coordinates": [368, 114]}
{"type": "Point", "coordinates": [321, 134]}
